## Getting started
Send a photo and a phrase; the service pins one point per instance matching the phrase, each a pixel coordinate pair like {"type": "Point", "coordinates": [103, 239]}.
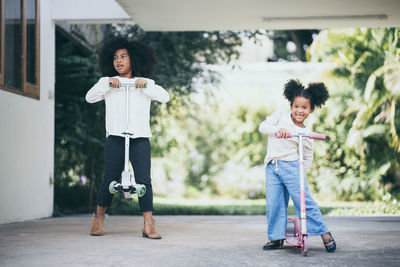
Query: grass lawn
{"type": "Point", "coordinates": [178, 206]}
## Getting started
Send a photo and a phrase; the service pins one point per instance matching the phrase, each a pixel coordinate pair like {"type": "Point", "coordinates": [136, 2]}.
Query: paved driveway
{"type": "Point", "coordinates": [193, 241]}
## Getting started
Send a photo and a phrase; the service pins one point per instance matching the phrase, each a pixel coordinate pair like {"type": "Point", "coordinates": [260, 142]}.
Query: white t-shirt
{"type": "Point", "coordinates": [139, 107]}
{"type": "Point", "coordinates": [285, 149]}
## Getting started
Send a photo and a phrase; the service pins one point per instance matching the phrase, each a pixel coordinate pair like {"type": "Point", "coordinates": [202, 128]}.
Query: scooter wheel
{"type": "Point", "coordinates": [111, 187]}
{"type": "Point", "coordinates": [140, 190]}
{"type": "Point", "coordinates": [304, 245]}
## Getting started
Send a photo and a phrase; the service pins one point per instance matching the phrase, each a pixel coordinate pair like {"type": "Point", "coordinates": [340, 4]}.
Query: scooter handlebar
{"type": "Point", "coordinates": [318, 136]}
{"type": "Point", "coordinates": [129, 85]}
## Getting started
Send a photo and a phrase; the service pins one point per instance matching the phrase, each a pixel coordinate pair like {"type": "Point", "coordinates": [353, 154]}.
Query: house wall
{"type": "Point", "coordinates": [27, 124]}
{"type": "Point", "coordinates": [27, 139]}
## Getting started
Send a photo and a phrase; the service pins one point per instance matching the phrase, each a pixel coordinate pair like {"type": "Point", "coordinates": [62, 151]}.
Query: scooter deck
{"type": "Point", "coordinates": [293, 241]}
{"type": "Point", "coordinates": [128, 191]}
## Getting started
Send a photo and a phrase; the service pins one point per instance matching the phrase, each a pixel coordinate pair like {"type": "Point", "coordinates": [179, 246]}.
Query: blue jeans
{"type": "Point", "coordinates": [282, 181]}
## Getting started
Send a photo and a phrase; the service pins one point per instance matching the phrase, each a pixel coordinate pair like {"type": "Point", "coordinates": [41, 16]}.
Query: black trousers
{"type": "Point", "coordinates": [139, 156]}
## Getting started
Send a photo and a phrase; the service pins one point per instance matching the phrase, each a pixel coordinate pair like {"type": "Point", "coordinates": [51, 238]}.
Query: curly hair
{"type": "Point", "coordinates": [143, 59]}
{"type": "Point", "coordinates": [316, 92]}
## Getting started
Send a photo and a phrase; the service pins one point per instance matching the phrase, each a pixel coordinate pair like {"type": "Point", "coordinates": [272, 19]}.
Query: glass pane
{"type": "Point", "coordinates": [13, 49]}
{"type": "Point", "coordinates": [31, 41]}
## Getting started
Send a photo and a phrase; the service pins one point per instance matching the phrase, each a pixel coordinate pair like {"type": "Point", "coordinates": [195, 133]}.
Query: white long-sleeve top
{"type": "Point", "coordinates": [285, 149]}
{"type": "Point", "coordinates": [115, 101]}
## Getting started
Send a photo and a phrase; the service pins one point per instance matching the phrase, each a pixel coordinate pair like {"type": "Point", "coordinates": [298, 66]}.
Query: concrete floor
{"type": "Point", "coordinates": [193, 241]}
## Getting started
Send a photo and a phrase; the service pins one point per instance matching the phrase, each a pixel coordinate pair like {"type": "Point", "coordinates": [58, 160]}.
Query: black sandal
{"type": "Point", "coordinates": [330, 248]}
{"type": "Point", "coordinates": [270, 245]}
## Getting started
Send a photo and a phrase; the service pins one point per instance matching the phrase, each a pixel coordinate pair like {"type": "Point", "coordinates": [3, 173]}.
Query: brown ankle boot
{"type": "Point", "coordinates": [149, 229]}
{"type": "Point", "coordinates": [97, 224]}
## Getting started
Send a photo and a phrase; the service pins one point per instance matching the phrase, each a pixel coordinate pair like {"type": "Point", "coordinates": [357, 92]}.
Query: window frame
{"type": "Point", "coordinates": [28, 89]}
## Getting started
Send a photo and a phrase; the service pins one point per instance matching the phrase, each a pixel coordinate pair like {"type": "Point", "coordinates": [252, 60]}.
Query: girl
{"type": "Point", "coordinates": [282, 166]}
{"type": "Point", "coordinates": [124, 62]}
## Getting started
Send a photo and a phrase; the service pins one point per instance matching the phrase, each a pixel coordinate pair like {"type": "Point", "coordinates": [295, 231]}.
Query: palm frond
{"type": "Point", "coordinates": [395, 136]}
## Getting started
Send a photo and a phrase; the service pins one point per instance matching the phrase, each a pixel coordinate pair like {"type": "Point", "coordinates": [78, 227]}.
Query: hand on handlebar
{"type": "Point", "coordinates": [283, 133]}
{"type": "Point", "coordinates": [114, 83]}
{"type": "Point", "coordinates": [140, 83]}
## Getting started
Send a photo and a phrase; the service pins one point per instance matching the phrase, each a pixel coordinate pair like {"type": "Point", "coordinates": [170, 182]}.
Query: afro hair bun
{"type": "Point", "coordinates": [291, 89]}
{"type": "Point", "coordinates": [318, 92]}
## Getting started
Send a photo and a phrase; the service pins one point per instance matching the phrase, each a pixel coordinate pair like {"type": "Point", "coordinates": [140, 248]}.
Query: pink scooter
{"type": "Point", "coordinates": [296, 230]}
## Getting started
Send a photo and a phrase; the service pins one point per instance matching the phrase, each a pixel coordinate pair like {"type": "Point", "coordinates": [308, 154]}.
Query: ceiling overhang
{"type": "Point", "coordinates": [208, 15]}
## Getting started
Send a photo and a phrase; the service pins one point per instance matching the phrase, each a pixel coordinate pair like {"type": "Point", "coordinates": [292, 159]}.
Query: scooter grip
{"type": "Point", "coordinates": [318, 136]}
{"type": "Point", "coordinates": [278, 135]}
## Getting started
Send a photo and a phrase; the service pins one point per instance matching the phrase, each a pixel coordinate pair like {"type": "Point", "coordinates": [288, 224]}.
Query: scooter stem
{"type": "Point", "coordinates": [126, 164]}
{"type": "Point", "coordinates": [303, 218]}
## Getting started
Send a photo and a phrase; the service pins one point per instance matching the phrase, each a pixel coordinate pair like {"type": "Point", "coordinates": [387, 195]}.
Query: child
{"type": "Point", "coordinates": [282, 166]}
{"type": "Point", "coordinates": [124, 62]}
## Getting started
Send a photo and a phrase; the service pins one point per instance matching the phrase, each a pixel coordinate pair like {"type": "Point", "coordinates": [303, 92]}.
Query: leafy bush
{"type": "Point", "coordinates": [361, 158]}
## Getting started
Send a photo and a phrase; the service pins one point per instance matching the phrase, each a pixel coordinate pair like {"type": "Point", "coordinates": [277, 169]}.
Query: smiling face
{"type": "Point", "coordinates": [122, 63]}
{"type": "Point", "coordinates": [301, 108]}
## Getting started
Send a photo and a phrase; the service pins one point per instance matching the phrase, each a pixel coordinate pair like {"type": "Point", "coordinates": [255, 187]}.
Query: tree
{"type": "Point", "coordinates": [368, 60]}
{"type": "Point", "coordinates": [301, 39]}
{"type": "Point", "coordinates": [182, 55]}
{"type": "Point", "coordinates": [79, 130]}
{"type": "Point", "coordinates": [79, 127]}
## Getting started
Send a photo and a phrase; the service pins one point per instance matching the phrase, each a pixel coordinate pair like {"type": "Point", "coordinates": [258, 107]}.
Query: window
{"type": "Point", "coordinates": [19, 47]}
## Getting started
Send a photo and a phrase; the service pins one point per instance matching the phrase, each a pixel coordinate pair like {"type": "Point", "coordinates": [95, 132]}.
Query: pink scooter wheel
{"type": "Point", "coordinates": [304, 244]}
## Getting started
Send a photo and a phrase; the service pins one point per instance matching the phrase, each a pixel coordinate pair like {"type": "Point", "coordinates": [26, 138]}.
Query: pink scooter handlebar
{"type": "Point", "coordinates": [318, 136]}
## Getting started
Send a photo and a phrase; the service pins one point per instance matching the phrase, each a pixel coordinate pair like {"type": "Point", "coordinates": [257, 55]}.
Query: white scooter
{"type": "Point", "coordinates": [128, 185]}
